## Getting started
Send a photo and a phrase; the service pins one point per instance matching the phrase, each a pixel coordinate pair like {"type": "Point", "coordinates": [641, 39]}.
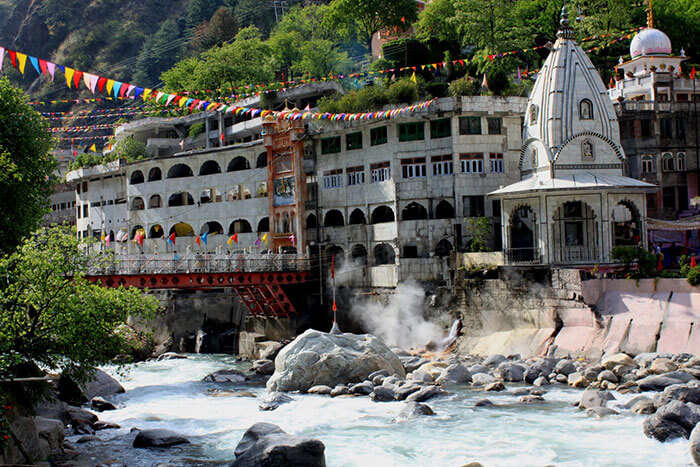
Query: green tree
{"type": "Point", "coordinates": [256, 13]}
{"type": "Point", "coordinates": [319, 58]}
{"type": "Point", "coordinates": [200, 10]}
{"type": "Point", "coordinates": [52, 316]}
{"type": "Point", "coordinates": [245, 60]}
{"type": "Point", "coordinates": [26, 167]}
{"type": "Point", "coordinates": [437, 21]}
{"type": "Point", "coordinates": [485, 24]}
{"type": "Point", "coordinates": [364, 18]}
{"type": "Point", "coordinates": [156, 56]}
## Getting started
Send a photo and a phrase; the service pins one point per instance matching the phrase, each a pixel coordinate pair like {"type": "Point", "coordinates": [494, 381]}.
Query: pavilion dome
{"type": "Point", "coordinates": [650, 41]}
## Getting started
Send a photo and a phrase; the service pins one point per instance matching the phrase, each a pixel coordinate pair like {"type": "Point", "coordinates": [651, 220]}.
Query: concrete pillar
{"type": "Point", "coordinates": [206, 132]}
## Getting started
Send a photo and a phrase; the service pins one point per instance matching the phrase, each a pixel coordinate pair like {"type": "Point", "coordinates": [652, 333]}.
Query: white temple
{"type": "Point", "coordinates": [573, 205]}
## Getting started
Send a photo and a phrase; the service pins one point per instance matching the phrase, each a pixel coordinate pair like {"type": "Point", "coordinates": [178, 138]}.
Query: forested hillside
{"type": "Point", "coordinates": [188, 45]}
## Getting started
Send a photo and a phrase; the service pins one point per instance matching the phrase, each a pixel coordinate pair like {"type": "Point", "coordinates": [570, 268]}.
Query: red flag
{"type": "Point", "coordinates": [235, 237]}
{"type": "Point", "coordinates": [101, 83]}
{"type": "Point", "coordinates": [693, 263]}
{"type": "Point", "coordinates": [172, 238]}
{"type": "Point", "coordinates": [692, 73]}
{"type": "Point", "coordinates": [77, 76]}
{"type": "Point", "coordinates": [198, 240]}
{"type": "Point", "coordinates": [333, 267]}
{"type": "Point", "coordinates": [42, 66]}
{"type": "Point", "coordinates": [13, 57]}
{"type": "Point", "coordinates": [335, 308]}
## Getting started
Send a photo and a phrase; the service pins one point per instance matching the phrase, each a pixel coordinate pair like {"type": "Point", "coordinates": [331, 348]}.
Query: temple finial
{"type": "Point", "coordinates": [650, 16]}
{"type": "Point", "coordinates": [565, 31]}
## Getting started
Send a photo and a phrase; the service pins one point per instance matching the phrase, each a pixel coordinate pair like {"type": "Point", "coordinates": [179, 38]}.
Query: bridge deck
{"type": "Point", "coordinates": [258, 280]}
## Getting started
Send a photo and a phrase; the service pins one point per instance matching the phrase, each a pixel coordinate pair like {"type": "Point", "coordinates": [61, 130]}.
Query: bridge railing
{"type": "Point", "coordinates": [204, 263]}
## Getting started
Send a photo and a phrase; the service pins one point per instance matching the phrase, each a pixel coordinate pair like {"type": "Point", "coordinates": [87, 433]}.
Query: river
{"type": "Point", "coordinates": [359, 432]}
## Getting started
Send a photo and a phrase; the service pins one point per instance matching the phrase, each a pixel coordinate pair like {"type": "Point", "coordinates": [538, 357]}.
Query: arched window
{"type": "Point", "coordinates": [585, 109]}
{"type": "Point", "coordinates": [182, 229]}
{"type": "Point", "coordinates": [648, 164]}
{"type": "Point", "coordinates": [532, 114]}
{"type": "Point", "coordinates": [384, 254]}
{"type": "Point", "coordinates": [239, 226]}
{"type": "Point", "coordinates": [311, 221]}
{"type": "Point", "coordinates": [180, 199]}
{"type": "Point", "coordinates": [680, 162]}
{"type": "Point", "coordinates": [414, 212]}
{"type": "Point", "coordinates": [264, 225]}
{"type": "Point", "coordinates": [210, 168]}
{"type": "Point", "coordinates": [382, 214]}
{"type": "Point", "coordinates": [333, 218]}
{"type": "Point", "coordinates": [444, 210]}
{"type": "Point", "coordinates": [443, 248]}
{"type": "Point", "coordinates": [156, 231]}
{"type": "Point", "coordinates": [155, 174]}
{"type": "Point", "coordinates": [137, 229]}
{"type": "Point", "coordinates": [239, 163]}
{"type": "Point", "coordinates": [358, 254]}
{"type": "Point", "coordinates": [155, 202]}
{"type": "Point", "coordinates": [137, 204]}
{"type": "Point", "coordinates": [136, 177]}
{"type": "Point", "coordinates": [262, 160]}
{"type": "Point", "coordinates": [211, 228]}
{"type": "Point", "coordinates": [668, 162]}
{"type": "Point", "coordinates": [180, 171]}
{"type": "Point", "coordinates": [357, 217]}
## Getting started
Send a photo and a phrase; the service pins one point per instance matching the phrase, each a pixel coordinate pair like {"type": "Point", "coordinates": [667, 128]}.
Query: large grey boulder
{"type": "Point", "coordinates": [456, 373]}
{"type": "Point", "coordinates": [510, 371]}
{"type": "Point", "coordinates": [674, 420]}
{"type": "Point", "coordinates": [51, 434]}
{"type": "Point", "coordinates": [99, 384]}
{"type": "Point", "coordinates": [225, 376]}
{"type": "Point", "coordinates": [318, 358]}
{"type": "Point", "coordinates": [267, 445]}
{"type": "Point", "coordinates": [272, 400]}
{"type": "Point", "coordinates": [565, 367]}
{"type": "Point", "coordinates": [592, 398]}
{"type": "Point", "coordinates": [414, 409]}
{"type": "Point", "coordinates": [678, 392]}
{"type": "Point", "coordinates": [660, 382]}
{"type": "Point", "coordinates": [494, 360]}
{"type": "Point", "coordinates": [158, 438]}
{"type": "Point", "coordinates": [695, 445]}
{"type": "Point", "coordinates": [425, 393]}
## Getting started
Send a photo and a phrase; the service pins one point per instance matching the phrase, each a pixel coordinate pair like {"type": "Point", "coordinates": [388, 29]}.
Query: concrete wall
{"type": "Point", "coordinates": [474, 259]}
{"type": "Point", "coordinates": [518, 314]}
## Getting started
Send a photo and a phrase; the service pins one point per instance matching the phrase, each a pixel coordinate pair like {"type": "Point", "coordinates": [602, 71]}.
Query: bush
{"type": "Point", "coordinates": [694, 276]}
{"type": "Point", "coordinates": [498, 82]}
{"type": "Point", "coordinates": [437, 89]}
{"type": "Point", "coordinates": [479, 228]}
{"type": "Point", "coordinates": [631, 256]}
{"type": "Point", "coordinates": [466, 86]}
{"type": "Point", "coordinates": [196, 129]}
{"type": "Point", "coordinates": [404, 91]}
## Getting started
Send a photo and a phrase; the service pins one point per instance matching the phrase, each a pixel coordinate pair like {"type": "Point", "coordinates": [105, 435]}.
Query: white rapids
{"type": "Point", "coordinates": [359, 432]}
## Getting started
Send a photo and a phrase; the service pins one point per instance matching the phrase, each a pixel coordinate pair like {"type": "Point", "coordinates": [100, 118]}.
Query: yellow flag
{"type": "Point", "coordinates": [264, 238]}
{"type": "Point", "coordinates": [146, 93]}
{"type": "Point", "coordinates": [93, 148]}
{"type": "Point", "coordinates": [102, 237]}
{"type": "Point", "coordinates": [413, 77]}
{"type": "Point", "coordinates": [69, 76]}
{"type": "Point", "coordinates": [22, 61]}
{"type": "Point", "coordinates": [110, 85]}
{"type": "Point", "coordinates": [183, 101]}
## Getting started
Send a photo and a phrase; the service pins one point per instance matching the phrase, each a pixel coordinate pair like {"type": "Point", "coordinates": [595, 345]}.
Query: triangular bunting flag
{"type": "Point", "coordinates": [101, 83]}
{"type": "Point", "coordinates": [110, 85]}
{"type": "Point", "coordinates": [13, 57]}
{"type": "Point", "coordinates": [22, 59]}
{"type": "Point", "coordinates": [170, 99]}
{"type": "Point", "coordinates": [69, 76]}
{"type": "Point", "coordinates": [116, 87]}
{"type": "Point", "coordinates": [2, 56]}
{"type": "Point", "coordinates": [93, 82]}
{"type": "Point", "coordinates": [86, 79]}
{"type": "Point", "coordinates": [76, 78]}
{"type": "Point", "coordinates": [129, 89]}
{"type": "Point", "coordinates": [42, 66]}
{"type": "Point", "coordinates": [35, 63]}
{"type": "Point", "coordinates": [147, 92]}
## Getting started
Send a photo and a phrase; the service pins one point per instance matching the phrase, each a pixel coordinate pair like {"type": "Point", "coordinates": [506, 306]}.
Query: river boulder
{"type": "Point", "coordinates": [265, 444]}
{"type": "Point", "coordinates": [158, 438]}
{"type": "Point", "coordinates": [77, 392]}
{"type": "Point", "coordinates": [272, 400]}
{"type": "Point", "coordinates": [318, 358]}
{"type": "Point", "coordinates": [695, 445]}
{"type": "Point", "coordinates": [660, 382]}
{"type": "Point", "coordinates": [674, 420]}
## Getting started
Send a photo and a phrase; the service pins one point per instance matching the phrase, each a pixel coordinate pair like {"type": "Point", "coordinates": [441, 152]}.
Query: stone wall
{"type": "Point", "coordinates": [527, 313]}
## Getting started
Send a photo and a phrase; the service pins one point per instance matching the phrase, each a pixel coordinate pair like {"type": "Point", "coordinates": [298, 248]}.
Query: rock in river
{"type": "Point", "coordinates": [674, 420]}
{"type": "Point", "coordinates": [695, 445]}
{"type": "Point", "coordinates": [99, 384]}
{"type": "Point", "coordinates": [158, 439]}
{"type": "Point", "coordinates": [265, 444]}
{"type": "Point", "coordinates": [318, 358]}
{"type": "Point", "coordinates": [272, 400]}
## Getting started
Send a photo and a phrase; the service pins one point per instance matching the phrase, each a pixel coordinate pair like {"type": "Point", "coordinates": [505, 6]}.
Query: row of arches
{"type": "Point", "coordinates": [383, 253]}
{"type": "Point", "coordinates": [209, 167]}
{"type": "Point", "coordinates": [184, 229]}
{"type": "Point", "coordinates": [184, 198]}
{"type": "Point", "coordinates": [380, 214]}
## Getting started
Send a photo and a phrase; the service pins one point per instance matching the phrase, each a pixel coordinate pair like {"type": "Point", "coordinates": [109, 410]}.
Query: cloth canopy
{"type": "Point", "coordinates": [688, 223]}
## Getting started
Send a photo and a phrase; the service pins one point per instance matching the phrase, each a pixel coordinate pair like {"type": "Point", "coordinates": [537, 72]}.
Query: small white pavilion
{"type": "Point", "coordinates": [573, 205]}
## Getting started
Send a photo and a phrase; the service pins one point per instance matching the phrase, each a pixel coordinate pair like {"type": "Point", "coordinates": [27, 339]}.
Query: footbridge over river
{"type": "Point", "coordinates": [262, 281]}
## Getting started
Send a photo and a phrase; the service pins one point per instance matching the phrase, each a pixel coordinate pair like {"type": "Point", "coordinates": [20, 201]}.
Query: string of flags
{"type": "Point", "coordinates": [120, 90]}
{"type": "Point", "coordinates": [78, 129]}
{"type": "Point", "coordinates": [627, 34]}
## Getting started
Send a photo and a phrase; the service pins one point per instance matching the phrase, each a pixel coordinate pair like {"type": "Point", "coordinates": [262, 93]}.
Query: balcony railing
{"type": "Point", "coordinates": [523, 256]}
{"type": "Point", "coordinates": [151, 264]}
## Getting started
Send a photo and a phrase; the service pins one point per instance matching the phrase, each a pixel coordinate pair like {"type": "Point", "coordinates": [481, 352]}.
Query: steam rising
{"type": "Point", "coordinates": [399, 323]}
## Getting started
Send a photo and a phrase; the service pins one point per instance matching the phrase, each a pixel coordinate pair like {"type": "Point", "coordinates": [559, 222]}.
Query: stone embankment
{"type": "Point", "coordinates": [528, 312]}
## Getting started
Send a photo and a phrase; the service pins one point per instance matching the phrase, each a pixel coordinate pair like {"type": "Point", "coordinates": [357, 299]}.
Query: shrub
{"type": "Point", "coordinates": [631, 256]}
{"type": "Point", "coordinates": [196, 129]}
{"type": "Point", "coordinates": [498, 82]}
{"type": "Point", "coordinates": [466, 86]}
{"type": "Point", "coordinates": [480, 230]}
{"type": "Point", "coordinates": [694, 276]}
{"type": "Point", "coordinates": [437, 89]}
{"type": "Point", "coordinates": [404, 91]}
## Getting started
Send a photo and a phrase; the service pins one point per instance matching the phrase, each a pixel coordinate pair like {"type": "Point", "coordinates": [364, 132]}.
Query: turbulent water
{"type": "Point", "coordinates": [359, 432]}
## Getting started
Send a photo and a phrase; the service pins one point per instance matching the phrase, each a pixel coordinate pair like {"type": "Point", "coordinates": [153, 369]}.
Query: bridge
{"type": "Point", "coordinates": [258, 279]}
